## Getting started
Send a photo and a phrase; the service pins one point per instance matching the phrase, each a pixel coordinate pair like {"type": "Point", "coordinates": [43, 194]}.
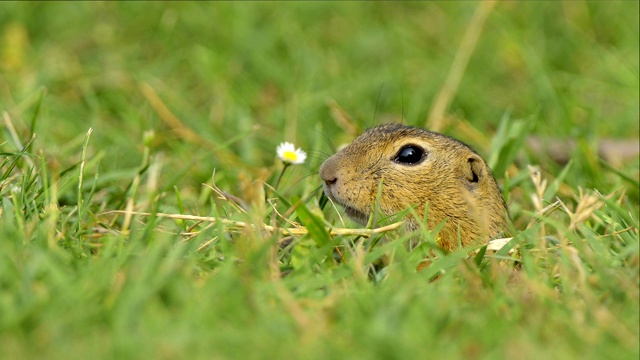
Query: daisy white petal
{"type": "Point", "coordinates": [289, 154]}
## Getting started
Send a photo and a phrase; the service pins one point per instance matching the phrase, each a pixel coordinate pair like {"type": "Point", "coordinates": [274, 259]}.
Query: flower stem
{"type": "Point", "coordinates": [286, 165]}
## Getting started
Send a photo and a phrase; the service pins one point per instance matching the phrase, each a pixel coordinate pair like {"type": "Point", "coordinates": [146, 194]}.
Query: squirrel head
{"type": "Point", "coordinates": [421, 169]}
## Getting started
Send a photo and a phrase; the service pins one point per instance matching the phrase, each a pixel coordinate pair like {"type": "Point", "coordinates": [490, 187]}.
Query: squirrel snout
{"type": "Point", "coordinates": [328, 172]}
{"type": "Point", "coordinates": [330, 181]}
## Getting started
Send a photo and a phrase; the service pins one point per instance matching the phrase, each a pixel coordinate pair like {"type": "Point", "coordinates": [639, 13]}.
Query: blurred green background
{"type": "Point", "coordinates": [247, 76]}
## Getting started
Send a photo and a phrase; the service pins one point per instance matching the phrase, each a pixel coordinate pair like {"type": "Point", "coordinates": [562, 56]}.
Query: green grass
{"type": "Point", "coordinates": [175, 91]}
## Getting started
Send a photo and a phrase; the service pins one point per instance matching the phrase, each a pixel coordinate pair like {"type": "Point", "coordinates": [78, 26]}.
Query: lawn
{"type": "Point", "coordinates": [143, 214]}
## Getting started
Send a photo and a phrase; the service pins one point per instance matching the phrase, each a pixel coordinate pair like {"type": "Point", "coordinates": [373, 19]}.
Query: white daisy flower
{"type": "Point", "coordinates": [289, 154]}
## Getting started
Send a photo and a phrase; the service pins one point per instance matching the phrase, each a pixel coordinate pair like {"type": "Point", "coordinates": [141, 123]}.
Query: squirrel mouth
{"type": "Point", "coordinates": [356, 215]}
{"type": "Point", "coordinates": [353, 213]}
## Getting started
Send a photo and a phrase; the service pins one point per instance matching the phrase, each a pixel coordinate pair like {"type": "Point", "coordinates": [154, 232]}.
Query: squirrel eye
{"type": "Point", "coordinates": [410, 155]}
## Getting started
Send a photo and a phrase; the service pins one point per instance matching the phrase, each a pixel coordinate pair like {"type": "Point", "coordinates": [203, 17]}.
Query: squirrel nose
{"type": "Point", "coordinates": [331, 182]}
{"type": "Point", "coordinates": [328, 171]}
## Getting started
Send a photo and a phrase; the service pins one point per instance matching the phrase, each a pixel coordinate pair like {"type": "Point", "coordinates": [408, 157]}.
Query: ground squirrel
{"type": "Point", "coordinates": [423, 169]}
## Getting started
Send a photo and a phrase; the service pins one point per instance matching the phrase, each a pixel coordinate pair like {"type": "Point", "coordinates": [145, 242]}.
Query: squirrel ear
{"type": "Point", "coordinates": [473, 169]}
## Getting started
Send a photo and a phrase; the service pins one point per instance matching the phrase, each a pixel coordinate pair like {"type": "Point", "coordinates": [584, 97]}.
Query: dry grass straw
{"type": "Point", "coordinates": [437, 119]}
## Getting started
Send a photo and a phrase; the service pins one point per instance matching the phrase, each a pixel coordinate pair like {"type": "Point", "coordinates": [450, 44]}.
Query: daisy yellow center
{"type": "Point", "coordinates": [290, 155]}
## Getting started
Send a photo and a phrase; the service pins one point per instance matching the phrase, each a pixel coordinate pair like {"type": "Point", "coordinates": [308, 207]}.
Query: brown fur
{"type": "Point", "coordinates": [452, 179]}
